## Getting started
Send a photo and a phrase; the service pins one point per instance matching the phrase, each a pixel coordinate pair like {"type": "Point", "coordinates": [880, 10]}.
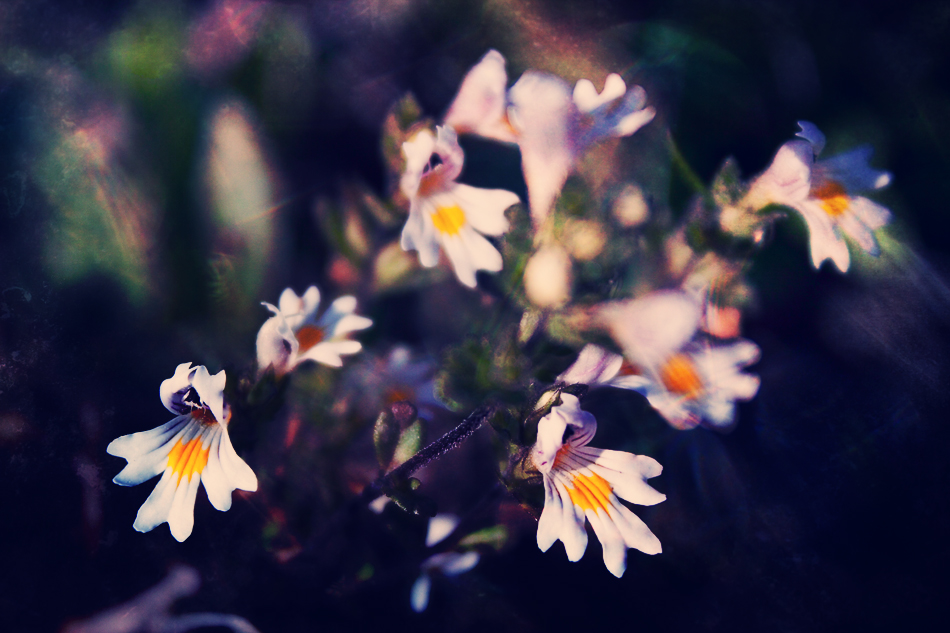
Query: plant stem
{"type": "Point", "coordinates": [436, 449]}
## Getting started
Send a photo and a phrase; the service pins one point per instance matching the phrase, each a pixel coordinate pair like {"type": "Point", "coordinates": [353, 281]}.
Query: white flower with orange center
{"type": "Point", "coordinates": [823, 192]}
{"type": "Point", "coordinates": [687, 381]}
{"type": "Point", "coordinates": [295, 334]}
{"type": "Point", "coordinates": [191, 448]}
{"type": "Point", "coordinates": [583, 482]}
{"type": "Point", "coordinates": [445, 213]}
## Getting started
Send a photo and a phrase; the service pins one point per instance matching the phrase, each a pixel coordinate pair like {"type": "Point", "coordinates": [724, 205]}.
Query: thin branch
{"type": "Point", "coordinates": [436, 449]}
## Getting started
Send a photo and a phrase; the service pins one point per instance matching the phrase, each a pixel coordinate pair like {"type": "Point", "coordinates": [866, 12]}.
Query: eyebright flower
{"type": "Point", "coordinates": [444, 212]}
{"type": "Point", "coordinates": [480, 107]}
{"type": "Point", "coordinates": [580, 481]}
{"type": "Point", "coordinates": [686, 380]}
{"type": "Point", "coordinates": [446, 563]}
{"type": "Point", "coordinates": [555, 127]}
{"type": "Point", "coordinates": [192, 447]}
{"type": "Point", "coordinates": [823, 192]}
{"type": "Point", "coordinates": [294, 334]}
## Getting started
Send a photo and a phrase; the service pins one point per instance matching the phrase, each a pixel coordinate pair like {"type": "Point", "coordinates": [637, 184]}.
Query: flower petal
{"type": "Point", "coordinates": [179, 382]}
{"type": "Point", "coordinates": [211, 391]}
{"type": "Point", "coordinates": [594, 365]}
{"type": "Point", "coordinates": [824, 241]}
{"type": "Point", "coordinates": [811, 133]}
{"type": "Point", "coordinates": [239, 474]}
{"type": "Point", "coordinates": [485, 208]}
{"type": "Point", "coordinates": [440, 526]}
{"type": "Point", "coordinates": [479, 106]}
{"type": "Point", "coordinates": [181, 514]}
{"type": "Point", "coordinates": [213, 478]}
{"type": "Point", "coordinates": [156, 508]}
{"type": "Point", "coordinates": [139, 444]}
{"type": "Point", "coordinates": [419, 596]}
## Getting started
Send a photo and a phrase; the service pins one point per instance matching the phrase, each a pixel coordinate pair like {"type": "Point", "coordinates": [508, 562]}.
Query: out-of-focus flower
{"type": "Point", "coordinates": [444, 212]}
{"type": "Point", "coordinates": [823, 193]}
{"type": "Point", "coordinates": [151, 611]}
{"type": "Point", "coordinates": [686, 381]}
{"type": "Point", "coordinates": [447, 563]}
{"type": "Point", "coordinates": [294, 334]}
{"type": "Point", "coordinates": [383, 382]}
{"type": "Point", "coordinates": [191, 448]}
{"type": "Point", "coordinates": [481, 105]}
{"type": "Point", "coordinates": [555, 126]}
{"type": "Point", "coordinates": [552, 125]}
{"type": "Point", "coordinates": [580, 481]}
{"type": "Point", "coordinates": [547, 277]}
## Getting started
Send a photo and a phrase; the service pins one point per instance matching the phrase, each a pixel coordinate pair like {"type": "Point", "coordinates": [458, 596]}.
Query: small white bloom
{"type": "Point", "coordinates": [191, 448]}
{"type": "Point", "coordinates": [444, 212]}
{"type": "Point", "coordinates": [294, 334]}
{"type": "Point", "coordinates": [687, 381]}
{"type": "Point", "coordinates": [446, 563]}
{"type": "Point", "coordinates": [823, 193]}
{"type": "Point", "coordinates": [580, 481]}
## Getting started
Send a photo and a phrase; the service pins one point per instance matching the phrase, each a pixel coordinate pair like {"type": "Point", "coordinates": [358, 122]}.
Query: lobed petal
{"type": "Point", "coordinates": [172, 390]}
{"type": "Point", "coordinates": [594, 365]}
{"type": "Point", "coordinates": [811, 133]}
{"type": "Point", "coordinates": [213, 478]}
{"type": "Point", "coordinates": [419, 595]}
{"type": "Point", "coordinates": [142, 443]}
{"type": "Point", "coordinates": [485, 208]}
{"type": "Point", "coordinates": [181, 514]}
{"type": "Point", "coordinates": [824, 241]}
{"type": "Point", "coordinates": [853, 171]}
{"type": "Point", "coordinates": [211, 391]}
{"type": "Point", "coordinates": [239, 474]}
{"type": "Point", "coordinates": [157, 507]}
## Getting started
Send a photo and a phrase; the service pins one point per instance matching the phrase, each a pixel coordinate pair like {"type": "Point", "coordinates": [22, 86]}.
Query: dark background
{"type": "Point", "coordinates": [826, 508]}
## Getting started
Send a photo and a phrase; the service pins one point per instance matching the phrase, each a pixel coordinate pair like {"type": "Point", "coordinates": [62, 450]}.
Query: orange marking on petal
{"type": "Point", "coordinates": [396, 394]}
{"type": "Point", "coordinates": [308, 336]}
{"type": "Point", "coordinates": [449, 220]}
{"type": "Point", "coordinates": [590, 493]}
{"type": "Point", "coordinates": [629, 369]}
{"type": "Point", "coordinates": [679, 376]}
{"type": "Point", "coordinates": [204, 416]}
{"type": "Point", "coordinates": [832, 197]}
{"type": "Point", "coordinates": [188, 459]}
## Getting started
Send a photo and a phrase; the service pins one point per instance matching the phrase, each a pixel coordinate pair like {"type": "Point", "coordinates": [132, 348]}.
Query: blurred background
{"type": "Point", "coordinates": [165, 166]}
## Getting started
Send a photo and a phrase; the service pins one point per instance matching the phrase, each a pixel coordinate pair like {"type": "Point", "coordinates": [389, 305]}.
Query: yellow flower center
{"type": "Point", "coordinates": [590, 493]}
{"type": "Point", "coordinates": [679, 376]}
{"type": "Point", "coordinates": [832, 197]}
{"type": "Point", "coordinates": [308, 336]}
{"type": "Point", "coordinates": [188, 459]}
{"type": "Point", "coordinates": [448, 220]}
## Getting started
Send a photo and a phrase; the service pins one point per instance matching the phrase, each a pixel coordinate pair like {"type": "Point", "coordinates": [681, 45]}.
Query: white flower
{"type": "Point", "coordinates": [547, 277]}
{"type": "Point", "coordinates": [294, 334]}
{"type": "Point", "coordinates": [580, 481]}
{"type": "Point", "coordinates": [480, 107]}
{"type": "Point", "coordinates": [555, 126]}
{"type": "Point", "coordinates": [191, 448]}
{"type": "Point", "coordinates": [552, 125]}
{"type": "Point", "coordinates": [447, 563]}
{"type": "Point", "coordinates": [823, 193]}
{"type": "Point", "coordinates": [444, 212]}
{"type": "Point", "coordinates": [686, 380]}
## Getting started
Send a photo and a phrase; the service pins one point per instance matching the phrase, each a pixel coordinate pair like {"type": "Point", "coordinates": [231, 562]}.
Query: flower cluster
{"type": "Point", "coordinates": [638, 300]}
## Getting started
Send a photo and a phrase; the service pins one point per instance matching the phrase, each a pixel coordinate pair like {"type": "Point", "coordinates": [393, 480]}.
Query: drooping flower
{"type": "Point", "coordinates": [294, 334]}
{"type": "Point", "coordinates": [193, 447]}
{"type": "Point", "coordinates": [446, 563]}
{"type": "Point", "coordinates": [823, 192]}
{"type": "Point", "coordinates": [446, 213]}
{"type": "Point", "coordinates": [583, 482]}
{"type": "Point", "coordinates": [688, 381]}
{"type": "Point", "coordinates": [555, 126]}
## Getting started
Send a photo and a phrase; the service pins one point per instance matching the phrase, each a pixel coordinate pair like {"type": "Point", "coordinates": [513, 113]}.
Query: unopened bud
{"type": "Point", "coordinates": [547, 277]}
